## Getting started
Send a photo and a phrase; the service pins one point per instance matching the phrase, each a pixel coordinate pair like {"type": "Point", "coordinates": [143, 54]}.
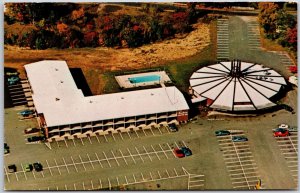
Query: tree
{"type": "Point", "coordinates": [291, 37]}
{"type": "Point", "coordinates": [267, 18]}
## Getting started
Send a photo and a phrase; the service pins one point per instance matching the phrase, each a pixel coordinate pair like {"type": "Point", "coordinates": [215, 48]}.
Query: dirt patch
{"type": "Point", "coordinates": [111, 59]}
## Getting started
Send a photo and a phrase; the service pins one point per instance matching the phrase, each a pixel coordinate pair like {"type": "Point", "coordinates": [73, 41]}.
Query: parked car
{"type": "Point", "coordinates": [178, 152]}
{"type": "Point", "coordinates": [239, 138]}
{"type": "Point", "coordinates": [31, 130]}
{"type": "Point", "coordinates": [293, 69]}
{"type": "Point", "coordinates": [26, 112]}
{"type": "Point", "coordinates": [37, 166]}
{"type": "Point", "coordinates": [222, 132]}
{"type": "Point", "coordinates": [13, 80]}
{"type": "Point", "coordinates": [35, 138]}
{"type": "Point", "coordinates": [173, 127]}
{"type": "Point", "coordinates": [12, 168]}
{"type": "Point", "coordinates": [186, 151]}
{"type": "Point", "coordinates": [28, 167]}
{"type": "Point", "coordinates": [281, 132]}
{"type": "Point", "coordinates": [6, 148]}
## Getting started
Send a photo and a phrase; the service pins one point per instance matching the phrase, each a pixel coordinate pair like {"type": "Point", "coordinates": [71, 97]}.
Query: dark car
{"type": "Point", "coordinates": [28, 167]}
{"type": "Point", "coordinates": [35, 138]}
{"type": "Point", "coordinates": [173, 127]}
{"type": "Point", "coordinates": [37, 166]}
{"type": "Point", "coordinates": [239, 138]}
{"type": "Point", "coordinates": [12, 168]}
{"type": "Point", "coordinates": [26, 112]}
{"type": "Point", "coordinates": [186, 151]}
{"type": "Point", "coordinates": [178, 152]}
{"type": "Point", "coordinates": [13, 80]}
{"type": "Point", "coordinates": [6, 148]}
{"type": "Point", "coordinates": [222, 132]}
{"type": "Point", "coordinates": [31, 130]}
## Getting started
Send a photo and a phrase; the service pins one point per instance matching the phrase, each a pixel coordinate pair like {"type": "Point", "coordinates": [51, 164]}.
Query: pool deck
{"type": "Point", "coordinates": [124, 82]}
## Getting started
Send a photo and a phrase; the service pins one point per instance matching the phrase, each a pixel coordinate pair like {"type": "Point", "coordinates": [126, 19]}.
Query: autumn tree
{"type": "Point", "coordinates": [267, 17]}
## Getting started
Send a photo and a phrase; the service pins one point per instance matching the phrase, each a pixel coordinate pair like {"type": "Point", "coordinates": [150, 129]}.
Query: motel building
{"type": "Point", "coordinates": [64, 112]}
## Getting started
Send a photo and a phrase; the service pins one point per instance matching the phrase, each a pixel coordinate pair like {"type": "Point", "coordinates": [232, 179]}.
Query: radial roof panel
{"type": "Point", "coordinates": [254, 86]}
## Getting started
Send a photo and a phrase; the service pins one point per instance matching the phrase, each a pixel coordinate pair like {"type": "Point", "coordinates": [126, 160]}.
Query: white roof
{"type": "Point", "coordinates": [56, 96]}
{"type": "Point", "coordinates": [251, 90]}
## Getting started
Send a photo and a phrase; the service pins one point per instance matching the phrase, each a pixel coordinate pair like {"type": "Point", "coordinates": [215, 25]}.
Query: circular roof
{"type": "Point", "coordinates": [236, 86]}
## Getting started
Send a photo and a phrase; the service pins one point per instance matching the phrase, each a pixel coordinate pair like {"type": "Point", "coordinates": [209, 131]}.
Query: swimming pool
{"type": "Point", "coordinates": [141, 79]}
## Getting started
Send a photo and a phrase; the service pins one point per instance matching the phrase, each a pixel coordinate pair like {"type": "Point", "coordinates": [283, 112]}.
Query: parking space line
{"type": "Point", "coordinates": [98, 160]}
{"type": "Point", "coordinates": [23, 171]}
{"type": "Point", "coordinates": [81, 141]}
{"type": "Point", "coordinates": [66, 143]}
{"type": "Point", "coordinates": [168, 173]}
{"type": "Point", "coordinates": [134, 178]}
{"type": "Point", "coordinates": [155, 152]}
{"type": "Point", "coordinates": [100, 183]}
{"type": "Point", "coordinates": [109, 184]}
{"type": "Point", "coordinates": [66, 165]}
{"type": "Point", "coordinates": [82, 162]}
{"type": "Point", "coordinates": [252, 168]}
{"type": "Point", "coordinates": [66, 187]}
{"type": "Point", "coordinates": [163, 151]}
{"type": "Point", "coordinates": [159, 130]}
{"type": "Point", "coordinates": [131, 156]}
{"type": "Point", "coordinates": [17, 176]}
{"type": "Point", "coordinates": [83, 185]}
{"type": "Point", "coordinates": [159, 174]}
{"type": "Point", "coordinates": [126, 180]}
{"type": "Point", "coordinates": [105, 138]}
{"type": "Point", "coordinates": [144, 132]}
{"type": "Point", "coordinates": [74, 142]}
{"type": "Point", "coordinates": [118, 181]}
{"type": "Point", "coordinates": [176, 145]}
{"type": "Point", "coordinates": [128, 134]}
{"type": "Point", "coordinates": [184, 143]}
{"type": "Point", "coordinates": [147, 153]}
{"type": "Point", "coordinates": [143, 176]}
{"type": "Point", "coordinates": [136, 134]}
{"type": "Point", "coordinates": [238, 161]}
{"type": "Point", "coordinates": [115, 157]}
{"type": "Point", "coordinates": [106, 159]}
{"type": "Point", "coordinates": [175, 172]}
{"type": "Point", "coordinates": [152, 131]}
{"type": "Point", "coordinates": [74, 164]}
{"type": "Point", "coordinates": [170, 149]}
{"type": "Point", "coordinates": [121, 136]}
{"type": "Point", "coordinates": [123, 157]}
{"type": "Point", "coordinates": [6, 174]}
{"type": "Point", "coordinates": [57, 166]}
{"type": "Point", "coordinates": [113, 137]}
{"type": "Point", "coordinates": [90, 161]}
{"type": "Point", "coordinates": [90, 139]}
{"type": "Point", "coordinates": [151, 175]}
{"type": "Point", "coordinates": [57, 143]}
{"type": "Point", "coordinates": [92, 184]}
{"type": "Point", "coordinates": [139, 154]}
{"type": "Point", "coordinates": [246, 177]}
{"type": "Point", "coordinates": [74, 187]}
{"type": "Point", "coordinates": [49, 168]}
{"type": "Point", "coordinates": [97, 138]}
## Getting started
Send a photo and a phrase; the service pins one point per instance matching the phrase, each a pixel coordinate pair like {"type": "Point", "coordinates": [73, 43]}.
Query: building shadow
{"type": "Point", "coordinates": [80, 81]}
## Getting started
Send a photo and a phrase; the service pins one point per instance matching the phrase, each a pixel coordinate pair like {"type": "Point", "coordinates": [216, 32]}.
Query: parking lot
{"type": "Point", "coordinates": [116, 183]}
{"type": "Point", "coordinates": [97, 160]}
{"type": "Point", "coordinates": [222, 39]}
{"type": "Point", "coordinates": [289, 148]}
{"type": "Point", "coordinates": [239, 161]}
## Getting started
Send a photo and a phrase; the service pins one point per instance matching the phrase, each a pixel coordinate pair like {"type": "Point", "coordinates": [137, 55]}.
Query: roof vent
{"type": "Point", "coordinates": [57, 99]}
{"type": "Point", "coordinates": [91, 101]}
{"type": "Point", "coordinates": [56, 69]}
{"type": "Point", "coordinates": [61, 81]}
{"type": "Point", "coordinates": [122, 97]}
{"type": "Point", "coordinates": [152, 94]}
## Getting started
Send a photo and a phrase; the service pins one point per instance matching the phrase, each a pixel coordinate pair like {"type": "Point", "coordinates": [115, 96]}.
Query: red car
{"type": "Point", "coordinates": [293, 69]}
{"type": "Point", "coordinates": [281, 133]}
{"type": "Point", "coordinates": [178, 153]}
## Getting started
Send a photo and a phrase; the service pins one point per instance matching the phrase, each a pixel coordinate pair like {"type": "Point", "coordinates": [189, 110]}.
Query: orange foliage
{"type": "Point", "coordinates": [76, 14]}
{"type": "Point", "coordinates": [62, 28]}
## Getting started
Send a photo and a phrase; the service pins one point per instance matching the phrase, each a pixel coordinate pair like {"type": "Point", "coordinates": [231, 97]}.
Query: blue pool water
{"type": "Point", "coordinates": [141, 79]}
